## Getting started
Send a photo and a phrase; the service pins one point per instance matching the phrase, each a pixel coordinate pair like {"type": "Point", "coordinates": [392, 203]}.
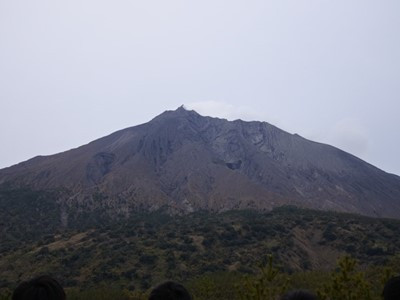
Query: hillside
{"type": "Point", "coordinates": [182, 162]}
{"type": "Point", "coordinates": [147, 248]}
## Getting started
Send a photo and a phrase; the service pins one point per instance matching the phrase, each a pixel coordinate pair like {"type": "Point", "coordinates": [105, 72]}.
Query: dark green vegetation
{"type": "Point", "coordinates": [94, 256]}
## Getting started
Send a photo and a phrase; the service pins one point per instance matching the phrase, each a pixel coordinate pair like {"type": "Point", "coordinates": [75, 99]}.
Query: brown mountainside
{"type": "Point", "coordinates": [181, 161]}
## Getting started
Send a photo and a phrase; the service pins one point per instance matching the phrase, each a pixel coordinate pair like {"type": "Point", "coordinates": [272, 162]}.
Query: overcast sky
{"type": "Point", "coordinates": [73, 71]}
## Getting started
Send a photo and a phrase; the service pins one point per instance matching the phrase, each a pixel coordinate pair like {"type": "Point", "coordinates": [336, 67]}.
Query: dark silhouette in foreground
{"type": "Point", "coordinates": [170, 290]}
{"type": "Point", "coordinates": [39, 288]}
{"type": "Point", "coordinates": [299, 295]}
{"type": "Point", "coordinates": [391, 291]}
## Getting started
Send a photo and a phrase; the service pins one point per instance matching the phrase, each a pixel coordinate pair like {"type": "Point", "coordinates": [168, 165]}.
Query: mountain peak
{"type": "Point", "coordinates": [182, 108]}
{"type": "Point", "coordinates": [180, 112]}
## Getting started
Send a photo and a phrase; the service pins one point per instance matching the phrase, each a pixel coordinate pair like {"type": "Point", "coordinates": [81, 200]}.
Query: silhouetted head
{"type": "Point", "coordinates": [170, 291]}
{"type": "Point", "coordinates": [391, 291]}
{"type": "Point", "coordinates": [39, 288]}
{"type": "Point", "coordinates": [299, 295]}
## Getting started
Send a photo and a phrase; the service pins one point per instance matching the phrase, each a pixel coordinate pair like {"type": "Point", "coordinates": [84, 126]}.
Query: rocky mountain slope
{"type": "Point", "coordinates": [182, 162]}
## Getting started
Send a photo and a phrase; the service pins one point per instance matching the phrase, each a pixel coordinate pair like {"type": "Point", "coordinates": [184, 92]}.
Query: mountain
{"type": "Point", "coordinates": [182, 162]}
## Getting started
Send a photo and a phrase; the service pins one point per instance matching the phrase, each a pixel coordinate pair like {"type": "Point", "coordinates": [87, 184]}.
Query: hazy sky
{"type": "Point", "coordinates": [73, 71]}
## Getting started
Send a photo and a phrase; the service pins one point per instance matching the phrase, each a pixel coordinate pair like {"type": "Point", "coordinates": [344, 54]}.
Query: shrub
{"type": "Point", "coordinates": [268, 285]}
{"type": "Point", "coordinates": [346, 283]}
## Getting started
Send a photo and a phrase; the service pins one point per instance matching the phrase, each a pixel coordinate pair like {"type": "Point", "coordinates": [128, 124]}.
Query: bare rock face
{"type": "Point", "coordinates": [182, 162]}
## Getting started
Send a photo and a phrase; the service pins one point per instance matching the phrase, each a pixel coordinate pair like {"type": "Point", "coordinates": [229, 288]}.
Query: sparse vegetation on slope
{"type": "Point", "coordinates": [135, 253]}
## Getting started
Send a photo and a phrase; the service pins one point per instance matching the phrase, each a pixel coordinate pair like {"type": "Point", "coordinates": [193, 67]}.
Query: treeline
{"type": "Point", "coordinates": [138, 252]}
{"type": "Point", "coordinates": [347, 281]}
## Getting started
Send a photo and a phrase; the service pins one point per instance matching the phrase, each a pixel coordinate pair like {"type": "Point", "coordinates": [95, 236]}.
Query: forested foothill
{"type": "Point", "coordinates": [230, 255]}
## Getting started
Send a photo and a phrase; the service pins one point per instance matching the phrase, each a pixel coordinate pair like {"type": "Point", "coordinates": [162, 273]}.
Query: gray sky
{"type": "Point", "coordinates": [73, 71]}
